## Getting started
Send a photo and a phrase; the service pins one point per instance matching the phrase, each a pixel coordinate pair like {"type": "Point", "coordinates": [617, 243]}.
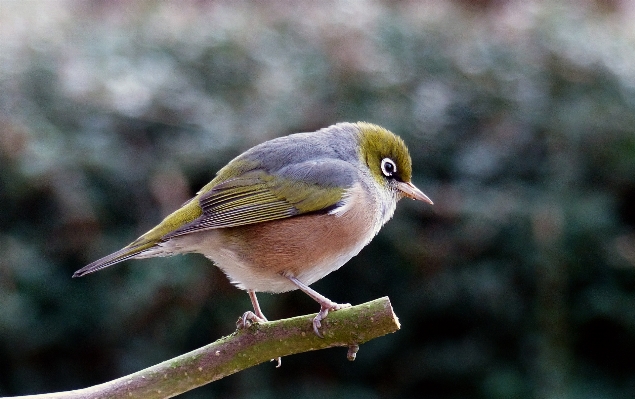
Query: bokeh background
{"type": "Point", "coordinates": [520, 115]}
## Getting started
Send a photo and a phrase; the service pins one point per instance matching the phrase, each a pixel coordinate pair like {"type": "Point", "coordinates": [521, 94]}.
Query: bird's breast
{"type": "Point", "coordinates": [308, 247]}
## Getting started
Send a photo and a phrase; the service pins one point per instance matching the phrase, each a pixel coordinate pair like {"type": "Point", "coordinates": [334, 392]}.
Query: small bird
{"type": "Point", "coordinates": [287, 212]}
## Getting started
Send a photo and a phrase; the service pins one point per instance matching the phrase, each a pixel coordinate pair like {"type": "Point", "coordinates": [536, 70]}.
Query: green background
{"type": "Point", "coordinates": [520, 117]}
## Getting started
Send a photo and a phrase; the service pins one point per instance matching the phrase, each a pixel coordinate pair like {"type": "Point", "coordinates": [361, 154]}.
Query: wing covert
{"type": "Point", "coordinates": [257, 196]}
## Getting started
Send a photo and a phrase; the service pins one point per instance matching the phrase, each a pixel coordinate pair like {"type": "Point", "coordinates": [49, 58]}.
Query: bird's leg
{"type": "Point", "coordinates": [256, 305]}
{"type": "Point", "coordinates": [325, 304]}
{"type": "Point", "coordinates": [249, 316]}
{"type": "Point", "coordinates": [257, 317]}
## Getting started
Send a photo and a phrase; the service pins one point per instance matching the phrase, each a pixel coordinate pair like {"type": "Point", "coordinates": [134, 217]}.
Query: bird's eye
{"type": "Point", "coordinates": [388, 167]}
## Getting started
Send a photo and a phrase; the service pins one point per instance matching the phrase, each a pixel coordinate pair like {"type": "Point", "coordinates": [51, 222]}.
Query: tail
{"type": "Point", "coordinates": [127, 252]}
{"type": "Point", "coordinates": [149, 242]}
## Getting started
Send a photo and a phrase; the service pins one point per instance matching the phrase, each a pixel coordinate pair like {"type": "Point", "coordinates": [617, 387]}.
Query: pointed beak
{"type": "Point", "coordinates": [409, 190]}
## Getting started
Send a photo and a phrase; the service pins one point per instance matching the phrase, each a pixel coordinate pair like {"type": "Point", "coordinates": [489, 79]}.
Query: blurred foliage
{"type": "Point", "coordinates": [520, 116]}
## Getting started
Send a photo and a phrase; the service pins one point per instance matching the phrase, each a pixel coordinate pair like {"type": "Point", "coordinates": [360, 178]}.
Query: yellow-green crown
{"type": "Point", "coordinates": [376, 144]}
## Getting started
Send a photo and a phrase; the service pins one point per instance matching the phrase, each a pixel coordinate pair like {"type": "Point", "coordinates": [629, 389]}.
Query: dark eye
{"type": "Point", "coordinates": [388, 167]}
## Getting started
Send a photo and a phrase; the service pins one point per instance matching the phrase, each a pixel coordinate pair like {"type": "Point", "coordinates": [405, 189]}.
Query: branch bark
{"type": "Point", "coordinates": [245, 348]}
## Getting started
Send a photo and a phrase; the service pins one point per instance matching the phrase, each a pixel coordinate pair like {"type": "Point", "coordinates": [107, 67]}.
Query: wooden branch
{"type": "Point", "coordinates": [259, 343]}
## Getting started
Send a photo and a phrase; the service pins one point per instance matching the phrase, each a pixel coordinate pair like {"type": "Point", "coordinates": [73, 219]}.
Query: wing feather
{"type": "Point", "coordinates": [258, 197]}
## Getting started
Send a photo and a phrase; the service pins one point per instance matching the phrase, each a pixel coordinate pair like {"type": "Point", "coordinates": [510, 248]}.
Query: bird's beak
{"type": "Point", "coordinates": [409, 190]}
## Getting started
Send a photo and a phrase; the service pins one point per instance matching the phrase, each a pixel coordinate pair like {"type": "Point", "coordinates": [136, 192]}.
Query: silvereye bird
{"type": "Point", "coordinates": [287, 212]}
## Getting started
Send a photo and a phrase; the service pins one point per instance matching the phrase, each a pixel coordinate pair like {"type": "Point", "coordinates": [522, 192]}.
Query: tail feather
{"type": "Point", "coordinates": [125, 253]}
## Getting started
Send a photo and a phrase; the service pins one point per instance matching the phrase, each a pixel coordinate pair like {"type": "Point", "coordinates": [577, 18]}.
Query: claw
{"type": "Point", "coordinates": [325, 307]}
{"type": "Point", "coordinates": [317, 321]}
{"type": "Point", "coordinates": [325, 304]}
{"type": "Point", "coordinates": [247, 319]}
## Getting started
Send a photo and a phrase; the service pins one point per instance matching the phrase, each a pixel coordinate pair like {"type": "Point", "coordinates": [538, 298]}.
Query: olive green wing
{"type": "Point", "coordinates": [258, 196]}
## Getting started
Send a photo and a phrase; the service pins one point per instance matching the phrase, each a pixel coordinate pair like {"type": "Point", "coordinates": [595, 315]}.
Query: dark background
{"type": "Point", "coordinates": [520, 117]}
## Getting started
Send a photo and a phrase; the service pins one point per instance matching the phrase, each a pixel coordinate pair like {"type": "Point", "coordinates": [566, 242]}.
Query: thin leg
{"type": "Point", "coordinates": [325, 304]}
{"type": "Point", "coordinates": [256, 305]}
{"type": "Point", "coordinates": [249, 316]}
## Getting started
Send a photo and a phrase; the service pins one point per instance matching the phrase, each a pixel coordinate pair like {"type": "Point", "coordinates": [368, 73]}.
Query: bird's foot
{"type": "Point", "coordinates": [326, 304]}
{"type": "Point", "coordinates": [247, 319]}
{"type": "Point", "coordinates": [325, 307]}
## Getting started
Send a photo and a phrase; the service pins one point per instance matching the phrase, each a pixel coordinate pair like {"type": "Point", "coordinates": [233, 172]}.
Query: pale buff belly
{"type": "Point", "coordinates": [259, 256]}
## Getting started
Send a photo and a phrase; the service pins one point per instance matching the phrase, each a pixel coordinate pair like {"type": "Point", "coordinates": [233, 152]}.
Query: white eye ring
{"type": "Point", "coordinates": [388, 167]}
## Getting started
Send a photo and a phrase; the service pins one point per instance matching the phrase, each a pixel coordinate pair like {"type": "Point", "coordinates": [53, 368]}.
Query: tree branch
{"type": "Point", "coordinates": [259, 343]}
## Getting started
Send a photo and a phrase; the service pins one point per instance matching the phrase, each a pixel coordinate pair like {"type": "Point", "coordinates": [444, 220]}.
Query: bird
{"type": "Point", "coordinates": [287, 212]}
